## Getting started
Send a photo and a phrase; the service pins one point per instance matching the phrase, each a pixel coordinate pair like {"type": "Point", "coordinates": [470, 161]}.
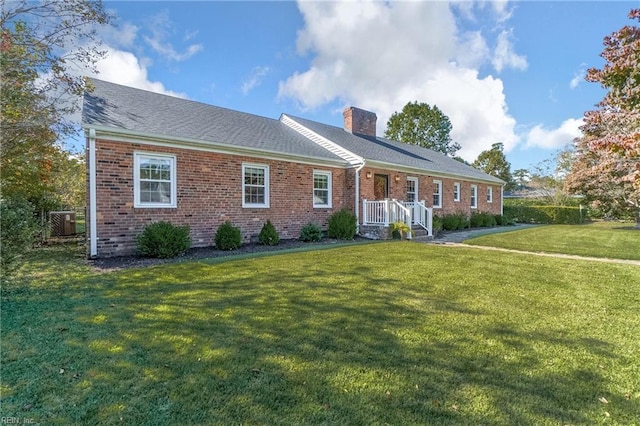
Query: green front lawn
{"type": "Point", "coordinates": [390, 333]}
{"type": "Point", "coordinates": [614, 240]}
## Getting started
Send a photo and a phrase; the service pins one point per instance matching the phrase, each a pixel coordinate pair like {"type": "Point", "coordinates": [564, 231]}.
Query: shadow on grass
{"type": "Point", "coordinates": [255, 342]}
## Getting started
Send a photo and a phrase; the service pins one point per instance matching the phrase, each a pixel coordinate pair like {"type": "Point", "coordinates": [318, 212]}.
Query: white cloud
{"type": "Point", "coordinates": [578, 77]}
{"type": "Point", "coordinates": [162, 28]}
{"type": "Point", "coordinates": [255, 79]}
{"type": "Point", "coordinates": [121, 36]}
{"type": "Point", "coordinates": [505, 56]}
{"type": "Point", "coordinates": [564, 135]}
{"type": "Point", "coordinates": [124, 68]}
{"type": "Point", "coordinates": [379, 56]}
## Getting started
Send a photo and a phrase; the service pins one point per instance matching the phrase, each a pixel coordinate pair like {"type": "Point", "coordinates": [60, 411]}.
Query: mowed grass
{"type": "Point", "coordinates": [389, 333]}
{"type": "Point", "coordinates": [615, 240]}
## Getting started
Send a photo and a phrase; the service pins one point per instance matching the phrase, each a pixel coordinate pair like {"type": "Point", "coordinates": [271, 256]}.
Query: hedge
{"type": "Point", "coordinates": [545, 214]}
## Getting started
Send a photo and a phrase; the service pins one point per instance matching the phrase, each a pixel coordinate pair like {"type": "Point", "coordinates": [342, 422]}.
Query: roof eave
{"type": "Point", "coordinates": [130, 136]}
{"type": "Point", "coordinates": [434, 173]}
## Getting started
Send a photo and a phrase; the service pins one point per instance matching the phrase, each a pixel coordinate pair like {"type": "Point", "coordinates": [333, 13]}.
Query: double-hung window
{"type": "Point", "coordinates": [321, 189]}
{"type": "Point", "coordinates": [437, 194]}
{"type": "Point", "coordinates": [255, 185]}
{"type": "Point", "coordinates": [489, 194]}
{"type": "Point", "coordinates": [154, 177]}
{"type": "Point", "coordinates": [456, 191]}
{"type": "Point", "coordinates": [474, 196]}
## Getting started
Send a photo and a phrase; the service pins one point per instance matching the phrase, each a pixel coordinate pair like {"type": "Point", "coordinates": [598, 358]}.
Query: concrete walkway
{"type": "Point", "coordinates": [445, 237]}
{"type": "Point", "coordinates": [456, 238]}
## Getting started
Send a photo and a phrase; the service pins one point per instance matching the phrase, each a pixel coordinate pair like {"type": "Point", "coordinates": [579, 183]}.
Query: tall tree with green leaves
{"type": "Point", "coordinates": [42, 46]}
{"type": "Point", "coordinates": [494, 162]}
{"type": "Point", "coordinates": [423, 125]}
{"type": "Point", "coordinates": [606, 167]}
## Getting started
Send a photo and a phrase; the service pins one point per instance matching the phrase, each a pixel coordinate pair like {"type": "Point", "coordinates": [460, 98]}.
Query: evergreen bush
{"type": "Point", "coordinates": [342, 225]}
{"type": "Point", "coordinates": [310, 233]}
{"type": "Point", "coordinates": [228, 237]}
{"type": "Point", "coordinates": [163, 240]}
{"type": "Point", "coordinates": [268, 235]}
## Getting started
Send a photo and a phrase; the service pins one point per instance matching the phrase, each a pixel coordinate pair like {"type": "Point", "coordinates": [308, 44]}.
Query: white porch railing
{"type": "Point", "coordinates": [387, 211]}
{"type": "Point", "coordinates": [423, 216]}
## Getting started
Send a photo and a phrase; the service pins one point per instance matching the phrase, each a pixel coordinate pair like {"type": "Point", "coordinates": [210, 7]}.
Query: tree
{"type": "Point", "coordinates": [520, 178]}
{"type": "Point", "coordinates": [606, 170]}
{"type": "Point", "coordinates": [422, 125]}
{"type": "Point", "coordinates": [547, 178]}
{"type": "Point", "coordinates": [42, 44]}
{"type": "Point", "coordinates": [494, 162]}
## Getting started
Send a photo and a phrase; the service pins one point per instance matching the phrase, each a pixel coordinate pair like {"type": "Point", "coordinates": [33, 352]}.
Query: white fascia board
{"type": "Point", "coordinates": [117, 135]}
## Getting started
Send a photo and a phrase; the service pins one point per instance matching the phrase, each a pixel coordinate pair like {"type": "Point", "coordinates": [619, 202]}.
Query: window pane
{"type": "Point", "coordinates": [155, 192]}
{"type": "Point", "coordinates": [253, 176]}
{"type": "Point", "coordinates": [320, 197]}
{"type": "Point", "coordinates": [320, 181]}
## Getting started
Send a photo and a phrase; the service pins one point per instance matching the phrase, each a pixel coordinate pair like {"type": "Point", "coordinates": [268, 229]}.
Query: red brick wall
{"type": "Point", "coordinates": [209, 193]}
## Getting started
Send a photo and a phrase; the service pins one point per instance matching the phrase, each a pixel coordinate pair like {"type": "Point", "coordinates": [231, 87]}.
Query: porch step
{"type": "Point", "coordinates": [418, 231]}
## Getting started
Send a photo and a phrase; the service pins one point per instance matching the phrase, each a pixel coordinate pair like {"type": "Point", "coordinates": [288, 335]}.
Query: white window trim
{"type": "Point", "coordinates": [265, 205]}
{"type": "Point", "coordinates": [329, 189]}
{"type": "Point", "coordinates": [489, 194]}
{"type": "Point", "coordinates": [137, 156]}
{"type": "Point", "coordinates": [474, 191]}
{"type": "Point", "coordinates": [456, 192]}
{"type": "Point", "coordinates": [438, 184]}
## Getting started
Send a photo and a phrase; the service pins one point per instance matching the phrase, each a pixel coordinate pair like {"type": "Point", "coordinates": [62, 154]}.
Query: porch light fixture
{"type": "Point", "coordinates": [397, 178]}
{"type": "Point", "coordinates": [368, 175]}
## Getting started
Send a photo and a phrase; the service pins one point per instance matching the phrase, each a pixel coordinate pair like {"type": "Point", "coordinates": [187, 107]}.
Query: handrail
{"type": "Point", "coordinates": [401, 214]}
{"type": "Point", "coordinates": [424, 217]}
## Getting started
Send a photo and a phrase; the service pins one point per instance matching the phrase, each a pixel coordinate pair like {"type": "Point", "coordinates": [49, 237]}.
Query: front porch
{"type": "Point", "coordinates": [382, 213]}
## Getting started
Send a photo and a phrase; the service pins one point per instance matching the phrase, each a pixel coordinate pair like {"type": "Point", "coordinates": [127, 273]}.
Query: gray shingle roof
{"type": "Point", "coordinates": [125, 108]}
{"type": "Point", "coordinates": [396, 153]}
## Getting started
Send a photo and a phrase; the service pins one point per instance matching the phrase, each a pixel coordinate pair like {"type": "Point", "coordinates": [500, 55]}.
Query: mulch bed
{"type": "Point", "coordinates": [126, 262]}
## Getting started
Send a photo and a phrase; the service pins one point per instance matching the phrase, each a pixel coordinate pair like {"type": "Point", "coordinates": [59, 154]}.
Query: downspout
{"type": "Point", "coordinates": [360, 167]}
{"type": "Point", "coordinates": [502, 200]}
{"type": "Point", "coordinates": [93, 205]}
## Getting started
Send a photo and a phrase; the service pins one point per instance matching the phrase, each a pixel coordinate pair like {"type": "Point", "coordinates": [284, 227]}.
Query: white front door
{"type": "Point", "coordinates": [412, 196]}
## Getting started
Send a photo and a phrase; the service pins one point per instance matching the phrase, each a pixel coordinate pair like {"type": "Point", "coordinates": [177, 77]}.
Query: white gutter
{"type": "Point", "coordinates": [93, 205]}
{"type": "Point", "coordinates": [502, 200]}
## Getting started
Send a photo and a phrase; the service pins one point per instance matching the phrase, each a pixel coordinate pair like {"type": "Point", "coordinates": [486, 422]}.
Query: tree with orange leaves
{"type": "Point", "coordinates": [606, 169]}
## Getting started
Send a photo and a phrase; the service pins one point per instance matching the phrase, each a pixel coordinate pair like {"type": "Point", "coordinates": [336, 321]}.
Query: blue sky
{"type": "Point", "coordinates": [510, 72]}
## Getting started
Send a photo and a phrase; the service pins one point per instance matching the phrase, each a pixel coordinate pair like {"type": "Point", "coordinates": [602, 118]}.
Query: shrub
{"type": "Point", "coordinates": [342, 225]}
{"type": "Point", "coordinates": [452, 222]}
{"type": "Point", "coordinates": [268, 235]}
{"type": "Point", "coordinates": [310, 232]}
{"type": "Point", "coordinates": [488, 220]}
{"type": "Point", "coordinates": [476, 220]}
{"type": "Point", "coordinates": [163, 240]}
{"type": "Point", "coordinates": [545, 214]}
{"type": "Point", "coordinates": [436, 224]}
{"type": "Point", "coordinates": [228, 237]}
{"type": "Point", "coordinates": [399, 230]}
{"type": "Point", "coordinates": [18, 229]}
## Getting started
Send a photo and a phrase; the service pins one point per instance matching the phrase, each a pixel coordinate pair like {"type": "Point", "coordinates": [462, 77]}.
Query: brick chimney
{"type": "Point", "coordinates": [359, 121]}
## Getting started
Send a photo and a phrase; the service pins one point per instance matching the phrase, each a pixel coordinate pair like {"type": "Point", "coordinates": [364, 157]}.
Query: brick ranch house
{"type": "Point", "coordinates": [154, 157]}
